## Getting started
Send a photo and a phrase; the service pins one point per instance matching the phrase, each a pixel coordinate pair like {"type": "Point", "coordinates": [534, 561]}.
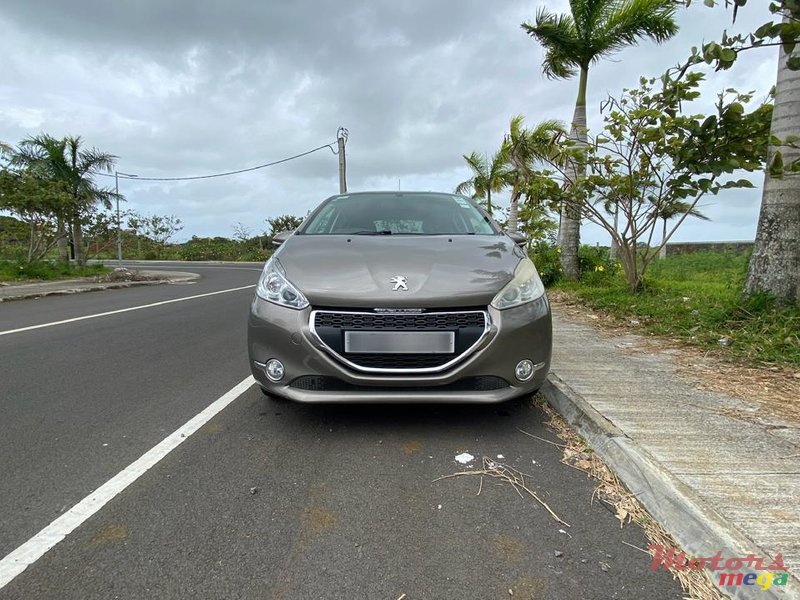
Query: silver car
{"type": "Point", "coordinates": [399, 297]}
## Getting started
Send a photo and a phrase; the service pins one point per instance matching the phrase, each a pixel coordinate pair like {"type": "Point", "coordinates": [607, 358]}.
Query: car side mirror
{"type": "Point", "coordinates": [520, 239]}
{"type": "Point", "coordinates": [281, 237]}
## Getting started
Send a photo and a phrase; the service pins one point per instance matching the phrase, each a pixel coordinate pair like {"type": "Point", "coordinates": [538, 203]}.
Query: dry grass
{"type": "Point", "coordinates": [578, 455]}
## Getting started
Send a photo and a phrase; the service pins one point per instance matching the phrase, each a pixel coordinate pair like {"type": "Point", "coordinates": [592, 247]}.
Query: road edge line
{"type": "Point", "coordinates": [123, 310]}
{"type": "Point", "coordinates": [28, 553]}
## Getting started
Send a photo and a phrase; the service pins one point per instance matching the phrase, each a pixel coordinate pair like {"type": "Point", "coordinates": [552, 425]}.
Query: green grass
{"type": "Point", "coordinates": [46, 271]}
{"type": "Point", "coordinates": [697, 298]}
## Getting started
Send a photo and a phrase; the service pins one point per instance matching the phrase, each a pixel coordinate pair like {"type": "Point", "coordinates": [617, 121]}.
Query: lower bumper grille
{"type": "Point", "coordinates": [468, 328]}
{"type": "Point", "coordinates": [320, 383]}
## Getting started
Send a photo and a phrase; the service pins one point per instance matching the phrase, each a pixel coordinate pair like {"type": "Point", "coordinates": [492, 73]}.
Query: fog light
{"type": "Point", "coordinates": [274, 369]}
{"type": "Point", "coordinates": [524, 370]}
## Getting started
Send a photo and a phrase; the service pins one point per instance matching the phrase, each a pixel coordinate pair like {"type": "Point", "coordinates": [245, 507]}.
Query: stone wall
{"type": "Point", "coordinates": [687, 247]}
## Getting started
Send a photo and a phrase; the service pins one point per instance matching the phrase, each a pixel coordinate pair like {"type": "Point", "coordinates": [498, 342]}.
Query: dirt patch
{"type": "Point", "coordinates": [318, 520]}
{"type": "Point", "coordinates": [109, 535]}
{"type": "Point", "coordinates": [410, 448]}
{"type": "Point", "coordinates": [122, 274]}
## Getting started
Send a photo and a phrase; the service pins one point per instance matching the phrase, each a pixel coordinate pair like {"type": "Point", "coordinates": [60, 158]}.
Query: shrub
{"type": "Point", "coordinates": [596, 264]}
{"type": "Point", "coordinates": [547, 259]}
{"type": "Point", "coordinates": [23, 270]}
{"type": "Point", "coordinates": [220, 248]}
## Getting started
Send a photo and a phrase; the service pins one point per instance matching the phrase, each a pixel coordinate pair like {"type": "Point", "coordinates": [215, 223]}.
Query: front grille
{"type": "Point", "coordinates": [400, 361]}
{"type": "Point", "coordinates": [400, 321]}
{"type": "Point", "coordinates": [320, 383]}
{"type": "Point", "coordinates": [468, 327]}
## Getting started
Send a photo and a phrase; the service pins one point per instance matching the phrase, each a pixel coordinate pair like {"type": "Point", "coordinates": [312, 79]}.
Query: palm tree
{"type": "Point", "coordinates": [573, 42]}
{"type": "Point", "coordinates": [522, 149]}
{"type": "Point", "coordinates": [775, 263]}
{"type": "Point", "coordinates": [63, 160]}
{"type": "Point", "coordinates": [487, 177]}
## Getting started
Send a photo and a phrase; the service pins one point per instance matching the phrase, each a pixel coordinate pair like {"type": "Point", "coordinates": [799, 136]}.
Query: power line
{"type": "Point", "coordinates": [226, 173]}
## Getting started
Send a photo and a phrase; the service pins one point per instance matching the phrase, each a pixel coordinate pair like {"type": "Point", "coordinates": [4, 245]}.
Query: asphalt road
{"type": "Point", "coordinates": [271, 499]}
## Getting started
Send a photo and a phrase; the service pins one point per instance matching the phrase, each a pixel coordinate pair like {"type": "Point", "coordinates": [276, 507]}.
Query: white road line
{"type": "Point", "coordinates": [32, 550]}
{"type": "Point", "coordinates": [122, 310]}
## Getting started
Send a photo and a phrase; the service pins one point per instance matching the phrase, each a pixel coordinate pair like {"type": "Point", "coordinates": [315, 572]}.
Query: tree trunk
{"type": "Point", "coordinates": [61, 232]}
{"type": "Point", "coordinates": [570, 232]}
{"type": "Point", "coordinates": [775, 263]}
{"type": "Point", "coordinates": [663, 252]}
{"type": "Point", "coordinates": [77, 240]}
{"type": "Point", "coordinates": [614, 250]}
{"type": "Point", "coordinates": [627, 255]}
{"type": "Point", "coordinates": [513, 212]}
{"type": "Point", "coordinates": [32, 244]}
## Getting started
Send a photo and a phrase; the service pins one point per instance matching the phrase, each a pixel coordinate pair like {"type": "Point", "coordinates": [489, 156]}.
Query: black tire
{"type": "Point", "coordinates": [271, 397]}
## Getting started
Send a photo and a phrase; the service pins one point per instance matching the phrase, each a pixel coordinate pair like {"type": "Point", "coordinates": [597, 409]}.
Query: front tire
{"type": "Point", "coordinates": [271, 397]}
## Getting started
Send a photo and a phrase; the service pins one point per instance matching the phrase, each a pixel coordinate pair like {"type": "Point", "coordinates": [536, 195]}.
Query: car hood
{"type": "Point", "coordinates": [440, 271]}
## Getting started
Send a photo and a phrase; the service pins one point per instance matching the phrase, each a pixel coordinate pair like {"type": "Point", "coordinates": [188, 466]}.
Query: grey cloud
{"type": "Point", "coordinates": [186, 88]}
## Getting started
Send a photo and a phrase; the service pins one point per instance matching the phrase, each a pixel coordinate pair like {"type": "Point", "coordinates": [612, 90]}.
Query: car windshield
{"type": "Point", "coordinates": [398, 214]}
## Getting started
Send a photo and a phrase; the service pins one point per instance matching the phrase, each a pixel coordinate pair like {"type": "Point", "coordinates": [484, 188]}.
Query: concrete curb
{"type": "Point", "coordinates": [700, 530]}
{"type": "Point", "coordinates": [174, 277]}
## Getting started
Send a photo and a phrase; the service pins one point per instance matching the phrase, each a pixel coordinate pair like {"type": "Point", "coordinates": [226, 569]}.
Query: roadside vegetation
{"type": "Point", "coordinates": [144, 237]}
{"type": "Point", "coordinates": [656, 156]}
{"type": "Point", "coordinates": [694, 298]}
{"type": "Point", "coordinates": [43, 271]}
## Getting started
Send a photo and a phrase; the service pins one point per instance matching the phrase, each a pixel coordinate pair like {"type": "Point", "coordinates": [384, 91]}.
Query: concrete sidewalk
{"type": "Point", "coordinates": [21, 291]}
{"type": "Point", "coordinates": [716, 483]}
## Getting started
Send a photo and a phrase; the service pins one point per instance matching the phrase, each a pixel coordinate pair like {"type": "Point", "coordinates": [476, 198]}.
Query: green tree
{"type": "Point", "coordinates": [135, 223]}
{"type": "Point", "coordinates": [65, 161]}
{"type": "Point", "coordinates": [159, 229]}
{"type": "Point", "coordinates": [775, 263]}
{"type": "Point", "coordinates": [100, 232]}
{"type": "Point", "coordinates": [283, 223]}
{"type": "Point", "coordinates": [487, 177]}
{"type": "Point", "coordinates": [593, 29]}
{"type": "Point", "coordinates": [653, 161]}
{"type": "Point", "coordinates": [39, 203]}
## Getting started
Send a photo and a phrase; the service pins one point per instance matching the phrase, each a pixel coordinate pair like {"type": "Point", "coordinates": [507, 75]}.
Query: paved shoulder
{"type": "Point", "coordinates": [717, 483]}
{"type": "Point", "coordinates": [22, 291]}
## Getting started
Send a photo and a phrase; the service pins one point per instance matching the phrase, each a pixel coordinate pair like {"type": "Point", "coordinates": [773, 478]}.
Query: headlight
{"type": "Point", "coordinates": [525, 287]}
{"type": "Point", "coordinates": [274, 287]}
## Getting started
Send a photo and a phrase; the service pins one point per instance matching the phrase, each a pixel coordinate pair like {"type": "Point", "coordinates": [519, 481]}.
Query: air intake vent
{"type": "Point", "coordinates": [468, 328]}
{"type": "Point", "coordinates": [319, 383]}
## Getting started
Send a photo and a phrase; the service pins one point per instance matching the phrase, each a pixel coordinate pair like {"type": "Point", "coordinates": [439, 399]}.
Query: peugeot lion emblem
{"type": "Point", "coordinates": [399, 283]}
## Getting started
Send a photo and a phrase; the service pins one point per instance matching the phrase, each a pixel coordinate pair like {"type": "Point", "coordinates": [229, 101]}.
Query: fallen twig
{"type": "Point", "coordinates": [637, 547]}
{"type": "Point", "coordinates": [541, 439]}
{"type": "Point", "coordinates": [509, 475]}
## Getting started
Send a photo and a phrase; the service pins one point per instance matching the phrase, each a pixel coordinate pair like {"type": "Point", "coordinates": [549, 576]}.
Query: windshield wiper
{"type": "Point", "coordinates": [369, 232]}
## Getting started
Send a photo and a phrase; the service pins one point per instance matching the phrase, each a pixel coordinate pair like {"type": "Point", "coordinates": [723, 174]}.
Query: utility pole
{"type": "Point", "coordinates": [119, 221]}
{"type": "Point", "coordinates": [341, 139]}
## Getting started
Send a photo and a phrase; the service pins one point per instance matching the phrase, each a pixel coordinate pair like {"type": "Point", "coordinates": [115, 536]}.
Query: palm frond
{"type": "Point", "coordinates": [558, 36]}
{"type": "Point", "coordinates": [631, 21]}
{"type": "Point", "coordinates": [465, 188]}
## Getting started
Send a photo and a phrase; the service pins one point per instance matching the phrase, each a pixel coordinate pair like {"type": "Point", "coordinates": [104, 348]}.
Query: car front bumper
{"type": "Point", "coordinates": [524, 332]}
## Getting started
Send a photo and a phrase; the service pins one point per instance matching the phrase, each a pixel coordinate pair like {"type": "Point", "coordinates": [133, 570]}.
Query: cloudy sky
{"type": "Point", "coordinates": [180, 88]}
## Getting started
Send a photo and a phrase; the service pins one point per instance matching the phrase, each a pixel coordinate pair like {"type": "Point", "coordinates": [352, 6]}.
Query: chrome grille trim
{"type": "Point", "coordinates": [487, 326]}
